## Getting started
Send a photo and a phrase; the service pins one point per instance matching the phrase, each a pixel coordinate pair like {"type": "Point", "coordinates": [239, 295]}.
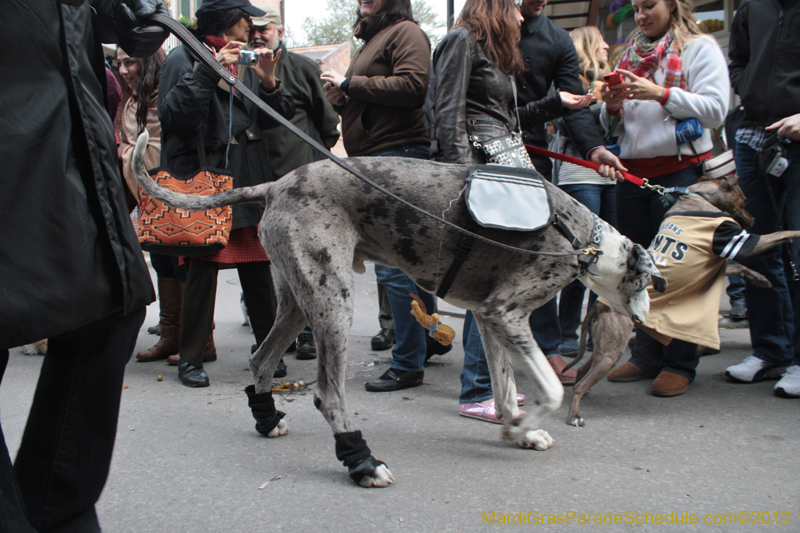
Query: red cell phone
{"type": "Point", "coordinates": [613, 78]}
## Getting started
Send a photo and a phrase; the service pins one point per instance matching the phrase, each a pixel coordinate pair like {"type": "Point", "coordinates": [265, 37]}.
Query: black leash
{"type": "Point", "coordinates": [208, 59]}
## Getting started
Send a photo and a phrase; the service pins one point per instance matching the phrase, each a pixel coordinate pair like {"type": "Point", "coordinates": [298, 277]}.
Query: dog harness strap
{"type": "Point", "coordinates": [573, 240]}
{"type": "Point", "coordinates": [262, 405]}
{"type": "Point", "coordinates": [351, 448]}
{"type": "Point", "coordinates": [464, 249]}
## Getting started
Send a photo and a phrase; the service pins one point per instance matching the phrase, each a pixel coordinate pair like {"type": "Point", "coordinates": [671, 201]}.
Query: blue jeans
{"type": "Point", "coordinates": [600, 199]}
{"type": "Point", "coordinates": [408, 354]}
{"type": "Point", "coordinates": [772, 327]}
{"type": "Point", "coordinates": [476, 383]}
{"type": "Point", "coordinates": [640, 211]}
{"type": "Point", "coordinates": [679, 357]}
{"type": "Point", "coordinates": [735, 289]}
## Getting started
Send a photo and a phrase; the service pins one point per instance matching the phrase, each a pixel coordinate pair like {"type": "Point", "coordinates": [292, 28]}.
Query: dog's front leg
{"type": "Point", "coordinates": [512, 331]}
{"type": "Point", "coordinates": [765, 242]}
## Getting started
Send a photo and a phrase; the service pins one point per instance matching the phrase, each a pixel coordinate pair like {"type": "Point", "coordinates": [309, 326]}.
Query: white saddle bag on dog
{"type": "Point", "coordinates": [508, 198]}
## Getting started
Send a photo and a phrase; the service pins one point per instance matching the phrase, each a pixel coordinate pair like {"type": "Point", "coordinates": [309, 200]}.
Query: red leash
{"type": "Point", "coordinates": [583, 163]}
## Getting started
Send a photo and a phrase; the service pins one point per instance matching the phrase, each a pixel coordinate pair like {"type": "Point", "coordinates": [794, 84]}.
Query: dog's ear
{"type": "Point", "coordinates": [644, 264]}
{"type": "Point", "coordinates": [732, 179]}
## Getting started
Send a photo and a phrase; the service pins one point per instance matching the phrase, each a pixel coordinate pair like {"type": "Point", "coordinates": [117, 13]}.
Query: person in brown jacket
{"type": "Point", "coordinates": [380, 98]}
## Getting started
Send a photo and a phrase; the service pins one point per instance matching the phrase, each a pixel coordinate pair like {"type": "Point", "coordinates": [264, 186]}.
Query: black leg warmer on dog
{"type": "Point", "coordinates": [352, 450]}
{"type": "Point", "coordinates": [263, 407]}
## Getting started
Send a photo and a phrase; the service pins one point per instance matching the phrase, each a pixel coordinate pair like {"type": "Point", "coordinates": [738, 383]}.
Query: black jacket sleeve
{"type": "Point", "coordinates": [579, 123]}
{"type": "Point", "coordinates": [739, 46]}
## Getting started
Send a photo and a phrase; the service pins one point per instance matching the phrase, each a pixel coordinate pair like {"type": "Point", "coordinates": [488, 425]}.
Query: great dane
{"type": "Point", "coordinates": [321, 223]}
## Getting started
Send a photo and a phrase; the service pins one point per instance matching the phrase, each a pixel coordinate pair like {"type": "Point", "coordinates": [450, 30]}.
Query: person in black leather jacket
{"type": "Point", "coordinates": [474, 66]}
{"type": "Point", "coordinates": [72, 268]}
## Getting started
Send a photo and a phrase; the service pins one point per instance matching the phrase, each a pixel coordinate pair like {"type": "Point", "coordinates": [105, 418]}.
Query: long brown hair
{"type": "Point", "coordinates": [496, 23]}
{"type": "Point", "coordinates": [146, 85]}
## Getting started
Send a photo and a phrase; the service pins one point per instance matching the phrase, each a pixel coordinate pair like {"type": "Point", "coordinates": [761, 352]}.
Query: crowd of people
{"type": "Point", "coordinates": [504, 68]}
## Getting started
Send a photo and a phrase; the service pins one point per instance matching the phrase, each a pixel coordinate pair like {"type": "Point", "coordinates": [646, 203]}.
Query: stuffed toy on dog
{"type": "Point", "coordinates": [442, 333]}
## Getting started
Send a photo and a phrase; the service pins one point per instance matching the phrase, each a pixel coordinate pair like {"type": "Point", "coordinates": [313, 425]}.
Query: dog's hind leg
{"type": "Point", "coordinates": [290, 320]}
{"type": "Point", "coordinates": [511, 330]}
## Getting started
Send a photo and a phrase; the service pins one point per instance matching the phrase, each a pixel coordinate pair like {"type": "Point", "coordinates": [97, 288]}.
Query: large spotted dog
{"type": "Point", "coordinates": [320, 223]}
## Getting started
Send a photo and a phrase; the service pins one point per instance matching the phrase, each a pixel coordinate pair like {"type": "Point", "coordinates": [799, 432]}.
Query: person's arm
{"type": "Point", "coordinates": [739, 46]}
{"type": "Point", "coordinates": [541, 111]}
{"type": "Point", "coordinates": [452, 64]}
{"type": "Point", "coordinates": [579, 123]}
{"type": "Point", "coordinates": [408, 84]}
{"type": "Point", "coordinates": [185, 94]}
{"type": "Point", "coordinates": [278, 99]}
{"type": "Point", "coordinates": [124, 22]}
{"type": "Point", "coordinates": [707, 92]}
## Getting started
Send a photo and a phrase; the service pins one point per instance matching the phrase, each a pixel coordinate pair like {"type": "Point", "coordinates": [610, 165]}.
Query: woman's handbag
{"type": "Point", "coordinates": [171, 231]}
{"type": "Point", "coordinates": [507, 150]}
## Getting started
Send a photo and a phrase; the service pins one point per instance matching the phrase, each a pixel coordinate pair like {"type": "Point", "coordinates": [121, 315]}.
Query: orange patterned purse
{"type": "Point", "coordinates": [167, 230]}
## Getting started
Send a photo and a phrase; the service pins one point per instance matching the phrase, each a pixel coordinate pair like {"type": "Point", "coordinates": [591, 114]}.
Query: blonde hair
{"type": "Point", "coordinates": [589, 44]}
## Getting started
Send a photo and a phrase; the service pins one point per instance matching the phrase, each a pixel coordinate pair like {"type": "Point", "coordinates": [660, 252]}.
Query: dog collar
{"type": "Point", "coordinates": [670, 195]}
{"type": "Point", "coordinates": [586, 261]}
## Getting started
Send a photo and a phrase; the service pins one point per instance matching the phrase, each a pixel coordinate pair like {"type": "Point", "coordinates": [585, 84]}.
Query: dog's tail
{"type": "Point", "coordinates": [586, 327]}
{"type": "Point", "coordinates": [244, 195]}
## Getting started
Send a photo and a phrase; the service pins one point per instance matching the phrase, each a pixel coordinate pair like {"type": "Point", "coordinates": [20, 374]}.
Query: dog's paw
{"type": "Point", "coordinates": [537, 439]}
{"type": "Point", "coordinates": [30, 349]}
{"type": "Point", "coordinates": [382, 477]}
{"type": "Point", "coordinates": [576, 421]}
{"type": "Point", "coordinates": [279, 431]}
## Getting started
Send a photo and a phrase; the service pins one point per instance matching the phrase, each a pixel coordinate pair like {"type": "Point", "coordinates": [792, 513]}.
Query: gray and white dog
{"type": "Point", "coordinates": [321, 222]}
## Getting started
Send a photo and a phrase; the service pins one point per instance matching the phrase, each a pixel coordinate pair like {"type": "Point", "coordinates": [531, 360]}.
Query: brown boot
{"type": "Point", "coordinates": [629, 372]}
{"type": "Point", "coordinates": [209, 353]}
{"type": "Point", "coordinates": [170, 293]}
{"type": "Point", "coordinates": [670, 384]}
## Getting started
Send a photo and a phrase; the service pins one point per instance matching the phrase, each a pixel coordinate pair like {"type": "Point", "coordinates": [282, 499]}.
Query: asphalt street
{"type": "Point", "coordinates": [190, 460]}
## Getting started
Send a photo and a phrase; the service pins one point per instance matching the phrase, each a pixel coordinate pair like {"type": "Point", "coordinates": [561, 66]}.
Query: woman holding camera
{"type": "Point", "coordinates": [671, 73]}
{"type": "Point", "coordinates": [194, 107]}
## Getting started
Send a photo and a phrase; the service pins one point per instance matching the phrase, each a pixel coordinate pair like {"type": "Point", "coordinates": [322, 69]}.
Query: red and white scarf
{"type": "Point", "coordinates": [644, 56]}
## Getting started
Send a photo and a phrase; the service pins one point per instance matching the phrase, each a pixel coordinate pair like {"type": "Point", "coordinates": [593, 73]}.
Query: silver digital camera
{"type": "Point", "coordinates": [248, 58]}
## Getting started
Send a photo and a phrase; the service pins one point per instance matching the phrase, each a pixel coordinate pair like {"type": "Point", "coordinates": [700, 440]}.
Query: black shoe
{"type": "Point", "coordinates": [280, 370]}
{"type": "Point", "coordinates": [435, 347]}
{"type": "Point", "coordinates": [155, 330]}
{"type": "Point", "coordinates": [738, 312]}
{"type": "Point", "coordinates": [395, 380]}
{"type": "Point", "coordinates": [384, 340]}
{"type": "Point", "coordinates": [191, 376]}
{"type": "Point", "coordinates": [305, 346]}
{"type": "Point", "coordinates": [292, 347]}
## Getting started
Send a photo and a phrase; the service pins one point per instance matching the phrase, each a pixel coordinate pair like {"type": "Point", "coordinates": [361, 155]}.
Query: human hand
{"type": "Point", "coordinates": [575, 101]}
{"type": "Point", "coordinates": [135, 35]}
{"type": "Point", "coordinates": [332, 77]}
{"type": "Point", "coordinates": [230, 54]}
{"type": "Point", "coordinates": [610, 165]}
{"type": "Point", "coordinates": [265, 68]}
{"type": "Point", "coordinates": [335, 95]}
{"type": "Point", "coordinates": [638, 88]}
{"type": "Point", "coordinates": [788, 128]}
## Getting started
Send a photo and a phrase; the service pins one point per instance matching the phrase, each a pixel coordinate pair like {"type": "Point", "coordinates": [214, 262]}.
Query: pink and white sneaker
{"type": "Point", "coordinates": [479, 411]}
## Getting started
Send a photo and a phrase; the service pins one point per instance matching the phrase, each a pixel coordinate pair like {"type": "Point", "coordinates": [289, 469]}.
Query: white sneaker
{"type": "Point", "coordinates": [789, 385]}
{"type": "Point", "coordinates": [752, 370]}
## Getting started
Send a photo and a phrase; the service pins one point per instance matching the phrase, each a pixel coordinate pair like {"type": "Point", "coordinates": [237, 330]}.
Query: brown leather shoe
{"type": "Point", "coordinates": [209, 353]}
{"type": "Point", "coordinates": [670, 384]}
{"type": "Point", "coordinates": [629, 372]}
{"type": "Point", "coordinates": [558, 364]}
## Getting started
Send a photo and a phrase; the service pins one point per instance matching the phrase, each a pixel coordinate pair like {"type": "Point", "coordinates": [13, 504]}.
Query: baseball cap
{"type": "Point", "coordinates": [270, 16]}
{"type": "Point", "coordinates": [210, 6]}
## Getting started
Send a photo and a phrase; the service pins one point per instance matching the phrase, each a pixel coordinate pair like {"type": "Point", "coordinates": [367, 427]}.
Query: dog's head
{"type": "Point", "coordinates": [627, 270]}
{"type": "Point", "coordinates": [725, 194]}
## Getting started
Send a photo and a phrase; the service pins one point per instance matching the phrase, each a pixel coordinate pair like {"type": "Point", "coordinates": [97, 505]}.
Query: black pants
{"type": "Point", "coordinates": [199, 296]}
{"type": "Point", "coordinates": [64, 457]}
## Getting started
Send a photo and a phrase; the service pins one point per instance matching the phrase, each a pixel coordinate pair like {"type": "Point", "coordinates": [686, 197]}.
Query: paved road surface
{"type": "Point", "coordinates": [189, 460]}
